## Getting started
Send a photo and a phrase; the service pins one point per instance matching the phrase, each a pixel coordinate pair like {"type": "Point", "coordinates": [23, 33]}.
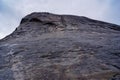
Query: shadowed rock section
{"type": "Point", "coordinates": [48, 46]}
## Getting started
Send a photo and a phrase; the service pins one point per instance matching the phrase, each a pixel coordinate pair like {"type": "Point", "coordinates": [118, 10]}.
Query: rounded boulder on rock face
{"type": "Point", "coordinates": [48, 46]}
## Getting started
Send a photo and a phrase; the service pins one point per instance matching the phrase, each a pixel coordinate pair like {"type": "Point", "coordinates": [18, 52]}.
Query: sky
{"type": "Point", "coordinates": [12, 11]}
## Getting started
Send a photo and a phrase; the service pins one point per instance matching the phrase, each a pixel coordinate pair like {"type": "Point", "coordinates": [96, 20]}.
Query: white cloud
{"type": "Point", "coordinates": [7, 24]}
{"type": "Point", "coordinates": [96, 9]}
{"type": "Point", "coordinates": [90, 8]}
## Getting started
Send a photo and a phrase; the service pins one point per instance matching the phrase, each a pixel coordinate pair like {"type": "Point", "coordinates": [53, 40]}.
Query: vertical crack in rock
{"type": "Point", "coordinates": [18, 70]}
{"type": "Point", "coordinates": [17, 66]}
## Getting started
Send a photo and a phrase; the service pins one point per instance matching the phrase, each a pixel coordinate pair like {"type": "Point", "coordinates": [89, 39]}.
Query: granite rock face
{"type": "Point", "coordinates": [47, 46]}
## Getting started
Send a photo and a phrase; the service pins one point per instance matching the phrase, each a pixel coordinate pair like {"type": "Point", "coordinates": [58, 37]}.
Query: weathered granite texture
{"type": "Point", "coordinates": [48, 46]}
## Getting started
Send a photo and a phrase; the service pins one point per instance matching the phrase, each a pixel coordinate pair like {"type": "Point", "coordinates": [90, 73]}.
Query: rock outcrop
{"type": "Point", "coordinates": [47, 46]}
